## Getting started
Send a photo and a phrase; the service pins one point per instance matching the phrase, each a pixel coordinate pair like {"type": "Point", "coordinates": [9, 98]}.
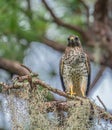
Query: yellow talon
{"type": "Point", "coordinates": [71, 91]}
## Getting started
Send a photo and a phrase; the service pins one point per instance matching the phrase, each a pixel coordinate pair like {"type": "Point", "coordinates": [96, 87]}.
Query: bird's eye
{"type": "Point", "coordinates": [76, 38]}
{"type": "Point", "coordinates": [68, 39]}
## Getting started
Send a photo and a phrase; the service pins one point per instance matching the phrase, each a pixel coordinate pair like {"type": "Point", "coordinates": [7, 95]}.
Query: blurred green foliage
{"type": "Point", "coordinates": [21, 24]}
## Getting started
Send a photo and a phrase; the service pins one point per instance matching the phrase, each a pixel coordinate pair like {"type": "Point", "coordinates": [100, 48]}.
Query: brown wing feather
{"type": "Point", "coordinates": [89, 73]}
{"type": "Point", "coordinates": [61, 73]}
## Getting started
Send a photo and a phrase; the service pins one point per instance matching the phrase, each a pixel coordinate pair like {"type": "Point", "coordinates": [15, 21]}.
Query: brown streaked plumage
{"type": "Point", "coordinates": [75, 68]}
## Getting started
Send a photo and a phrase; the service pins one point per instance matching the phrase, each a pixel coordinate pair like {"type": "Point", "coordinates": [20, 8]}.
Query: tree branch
{"type": "Point", "coordinates": [14, 67]}
{"type": "Point", "coordinates": [59, 47]}
{"type": "Point", "coordinates": [29, 10]}
{"type": "Point", "coordinates": [63, 24]}
{"type": "Point", "coordinates": [100, 12]}
{"type": "Point", "coordinates": [54, 45]}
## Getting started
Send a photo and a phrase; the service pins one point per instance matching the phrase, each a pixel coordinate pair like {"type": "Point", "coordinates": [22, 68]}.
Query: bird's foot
{"type": "Point", "coordinates": [71, 93]}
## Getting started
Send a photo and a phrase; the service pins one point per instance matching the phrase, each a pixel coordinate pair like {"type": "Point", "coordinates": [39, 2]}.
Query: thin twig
{"type": "Point", "coordinates": [102, 103]}
{"type": "Point", "coordinates": [99, 74]}
{"type": "Point", "coordinates": [26, 68]}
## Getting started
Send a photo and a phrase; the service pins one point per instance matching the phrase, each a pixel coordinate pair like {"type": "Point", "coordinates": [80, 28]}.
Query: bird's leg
{"type": "Point", "coordinates": [71, 91]}
{"type": "Point", "coordinates": [83, 91]}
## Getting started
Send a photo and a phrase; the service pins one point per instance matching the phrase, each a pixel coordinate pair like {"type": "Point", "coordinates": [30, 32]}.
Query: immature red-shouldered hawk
{"type": "Point", "coordinates": [75, 68]}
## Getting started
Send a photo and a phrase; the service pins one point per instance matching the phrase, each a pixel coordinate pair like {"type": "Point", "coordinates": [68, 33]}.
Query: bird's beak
{"type": "Point", "coordinates": [71, 38]}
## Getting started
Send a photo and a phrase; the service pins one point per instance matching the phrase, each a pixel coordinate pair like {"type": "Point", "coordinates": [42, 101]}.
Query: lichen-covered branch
{"type": "Point", "coordinates": [35, 81]}
{"type": "Point", "coordinates": [65, 105]}
{"type": "Point", "coordinates": [56, 105]}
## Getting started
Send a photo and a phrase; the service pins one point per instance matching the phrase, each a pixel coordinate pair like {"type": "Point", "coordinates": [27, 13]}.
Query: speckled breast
{"type": "Point", "coordinates": [74, 65]}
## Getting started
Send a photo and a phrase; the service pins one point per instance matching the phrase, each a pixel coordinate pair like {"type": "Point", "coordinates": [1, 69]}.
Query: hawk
{"type": "Point", "coordinates": [75, 68]}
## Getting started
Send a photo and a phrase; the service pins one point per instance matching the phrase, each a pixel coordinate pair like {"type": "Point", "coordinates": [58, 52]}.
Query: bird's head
{"type": "Point", "coordinates": [74, 41]}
